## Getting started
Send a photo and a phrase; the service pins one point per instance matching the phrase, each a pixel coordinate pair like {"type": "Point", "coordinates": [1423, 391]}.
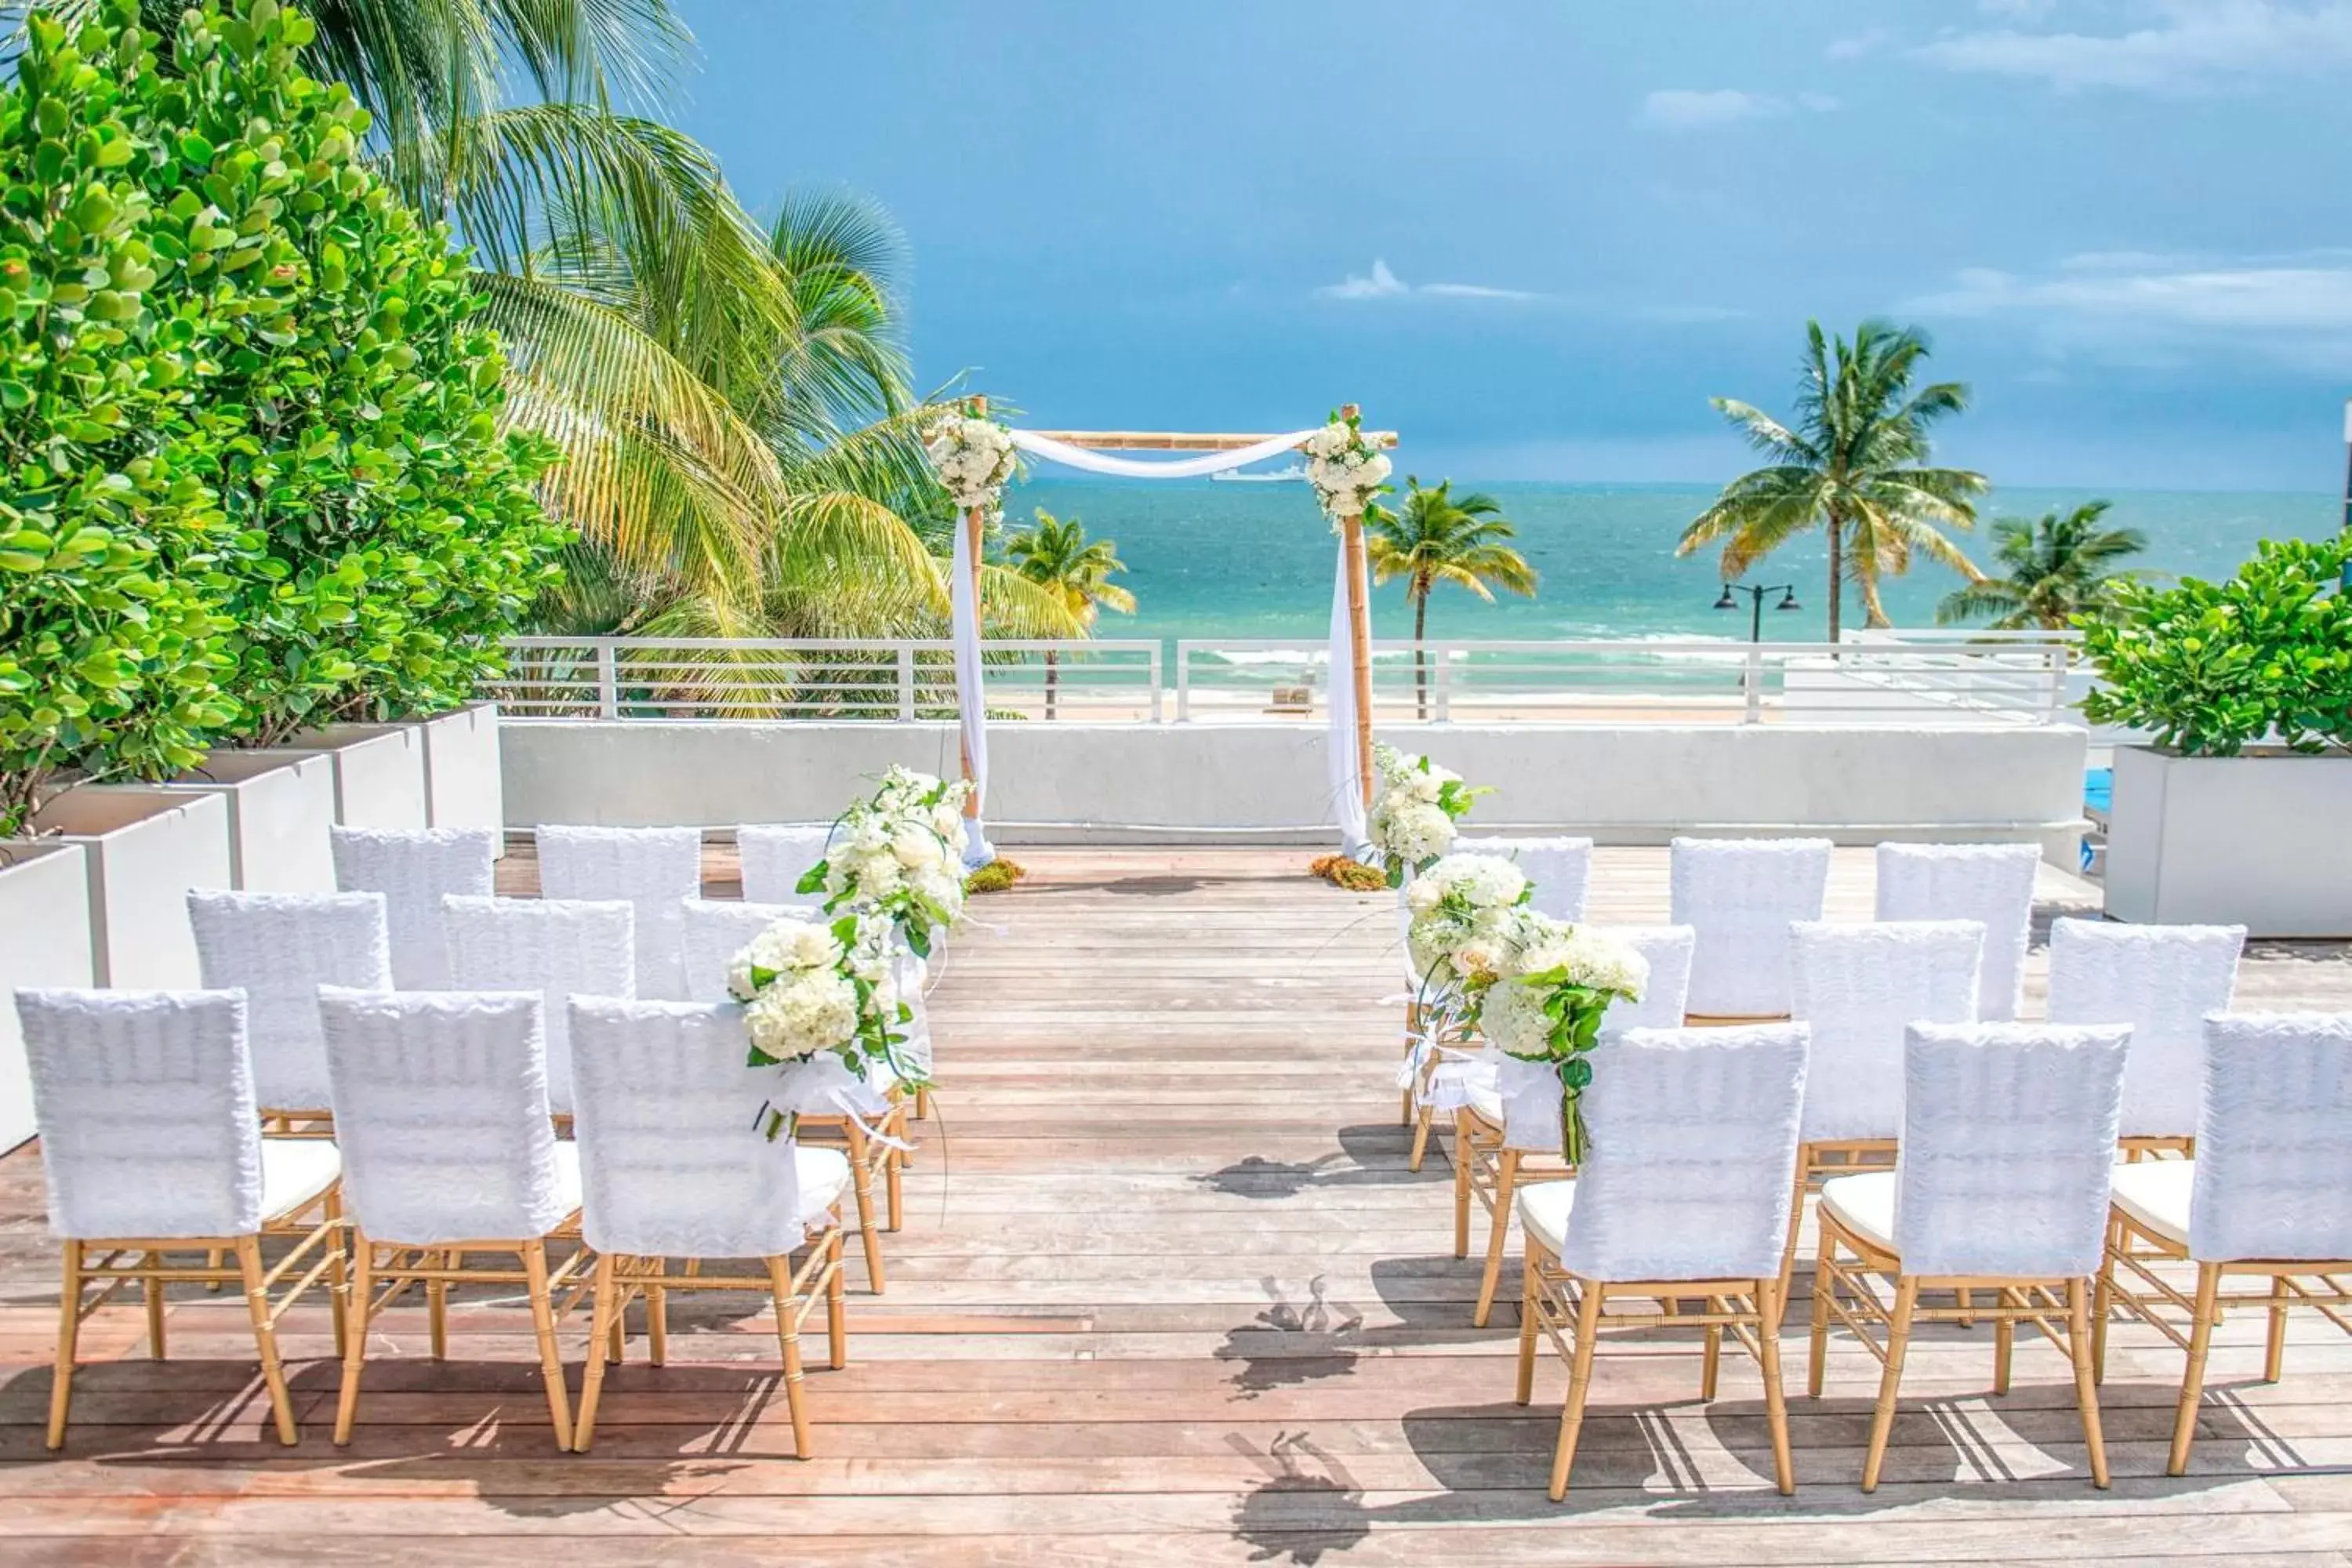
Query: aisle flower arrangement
{"type": "Point", "coordinates": [1548, 1003]}
{"type": "Point", "coordinates": [973, 458]}
{"type": "Point", "coordinates": [1414, 811]}
{"type": "Point", "coordinates": [816, 996]}
{"type": "Point", "coordinates": [1346, 469]}
{"type": "Point", "coordinates": [899, 856]}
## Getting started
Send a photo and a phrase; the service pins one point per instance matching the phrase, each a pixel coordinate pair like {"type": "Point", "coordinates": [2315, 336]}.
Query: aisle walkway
{"type": "Point", "coordinates": [1167, 1296]}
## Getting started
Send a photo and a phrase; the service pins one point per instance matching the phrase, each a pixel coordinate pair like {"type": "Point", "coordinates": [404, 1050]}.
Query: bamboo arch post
{"type": "Point", "coordinates": [1360, 636]}
{"type": "Point", "coordinates": [975, 523]}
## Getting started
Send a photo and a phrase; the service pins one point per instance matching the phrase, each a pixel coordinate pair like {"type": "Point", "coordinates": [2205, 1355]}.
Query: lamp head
{"type": "Point", "coordinates": [1789, 600]}
{"type": "Point", "coordinates": [1724, 603]}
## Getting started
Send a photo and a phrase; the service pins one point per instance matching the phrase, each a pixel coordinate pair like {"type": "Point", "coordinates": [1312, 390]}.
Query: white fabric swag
{"type": "Point", "coordinates": [971, 704]}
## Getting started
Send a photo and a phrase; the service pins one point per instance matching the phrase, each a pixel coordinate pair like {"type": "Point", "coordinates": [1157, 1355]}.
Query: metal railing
{"type": "Point", "coordinates": [1925, 678]}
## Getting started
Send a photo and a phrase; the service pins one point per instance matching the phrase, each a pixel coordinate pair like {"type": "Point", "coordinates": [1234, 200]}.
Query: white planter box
{"type": "Point", "coordinates": [143, 848]}
{"type": "Point", "coordinates": [379, 772]}
{"type": "Point", "coordinates": [45, 940]}
{"type": "Point", "coordinates": [462, 783]}
{"type": "Point", "coordinates": [2257, 840]}
{"type": "Point", "coordinates": [282, 809]}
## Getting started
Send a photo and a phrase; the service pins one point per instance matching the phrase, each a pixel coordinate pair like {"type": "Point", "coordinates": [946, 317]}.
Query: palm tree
{"type": "Point", "coordinates": [2058, 567]}
{"type": "Point", "coordinates": [1439, 538]}
{"type": "Point", "coordinates": [1854, 462]}
{"type": "Point", "coordinates": [1057, 555]}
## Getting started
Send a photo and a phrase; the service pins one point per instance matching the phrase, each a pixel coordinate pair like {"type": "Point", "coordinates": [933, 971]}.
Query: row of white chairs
{"type": "Point", "coordinates": [2007, 1195]}
{"type": "Point", "coordinates": [443, 1151]}
{"type": "Point", "coordinates": [281, 949]}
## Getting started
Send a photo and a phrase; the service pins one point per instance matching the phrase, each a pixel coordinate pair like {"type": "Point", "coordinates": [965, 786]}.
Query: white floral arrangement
{"type": "Point", "coordinates": [1548, 999]}
{"type": "Point", "coordinates": [1466, 916]}
{"type": "Point", "coordinates": [897, 857]}
{"type": "Point", "coordinates": [1414, 810]}
{"type": "Point", "coordinates": [810, 987]}
{"type": "Point", "coordinates": [1346, 469]}
{"type": "Point", "coordinates": [973, 457]}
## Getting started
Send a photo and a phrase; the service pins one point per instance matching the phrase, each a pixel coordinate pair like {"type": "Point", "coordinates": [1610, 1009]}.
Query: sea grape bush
{"type": "Point", "coordinates": [2212, 667]}
{"type": "Point", "coordinates": [254, 469]}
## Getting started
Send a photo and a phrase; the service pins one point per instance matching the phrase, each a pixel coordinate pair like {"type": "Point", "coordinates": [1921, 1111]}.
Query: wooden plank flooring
{"type": "Point", "coordinates": [1167, 1295]}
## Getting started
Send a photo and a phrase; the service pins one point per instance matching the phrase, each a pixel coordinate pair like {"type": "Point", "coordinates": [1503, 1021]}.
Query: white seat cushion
{"type": "Point", "coordinates": [823, 1176]}
{"type": "Point", "coordinates": [567, 1177]}
{"type": "Point", "coordinates": [1544, 1209]}
{"type": "Point", "coordinates": [294, 1170]}
{"type": "Point", "coordinates": [1865, 1204]}
{"type": "Point", "coordinates": [1486, 1096]}
{"type": "Point", "coordinates": [2154, 1192]}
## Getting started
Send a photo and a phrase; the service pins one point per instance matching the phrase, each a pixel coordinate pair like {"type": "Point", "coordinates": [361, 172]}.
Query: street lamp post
{"type": "Point", "coordinates": [1788, 594]}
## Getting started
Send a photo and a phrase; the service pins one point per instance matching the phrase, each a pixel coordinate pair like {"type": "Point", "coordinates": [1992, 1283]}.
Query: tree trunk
{"type": "Point", "coordinates": [1837, 576]}
{"type": "Point", "coordinates": [1420, 674]}
{"type": "Point", "coordinates": [1051, 675]}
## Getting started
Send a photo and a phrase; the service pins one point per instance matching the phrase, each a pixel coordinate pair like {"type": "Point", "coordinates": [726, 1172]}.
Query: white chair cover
{"type": "Point", "coordinates": [1861, 987]}
{"type": "Point", "coordinates": [561, 948]}
{"type": "Point", "coordinates": [145, 1102]}
{"type": "Point", "coordinates": [1991, 883]}
{"type": "Point", "coordinates": [2009, 1140]}
{"type": "Point", "coordinates": [775, 856]}
{"type": "Point", "coordinates": [278, 949]}
{"type": "Point", "coordinates": [415, 869]}
{"type": "Point", "coordinates": [711, 932]}
{"type": "Point", "coordinates": [1529, 1091]}
{"type": "Point", "coordinates": [1740, 895]}
{"type": "Point", "coordinates": [656, 868]}
{"type": "Point", "coordinates": [2274, 1148]}
{"type": "Point", "coordinates": [1692, 1157]}
{"type": "Point", "coordinates": [2162, 981]}
{"type": "Point", "coordinates": [672, 1157]}
{"type": "Point", "coordinates": [1560, 868]}
{"type": "Point", "coordinates": [441, 1112]}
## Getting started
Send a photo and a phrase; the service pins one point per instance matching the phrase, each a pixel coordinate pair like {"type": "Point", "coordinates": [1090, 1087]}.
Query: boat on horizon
{"type": "Point", "coordinates": [1234, 476]}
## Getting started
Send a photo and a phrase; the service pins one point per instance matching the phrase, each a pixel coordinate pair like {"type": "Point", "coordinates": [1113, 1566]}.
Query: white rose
{"type": "Point", "coordinates": [916, 848]}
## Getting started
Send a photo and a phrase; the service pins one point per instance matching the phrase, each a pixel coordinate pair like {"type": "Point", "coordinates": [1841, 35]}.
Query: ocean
{"type": "Point", "coordinates": [1206, 559]}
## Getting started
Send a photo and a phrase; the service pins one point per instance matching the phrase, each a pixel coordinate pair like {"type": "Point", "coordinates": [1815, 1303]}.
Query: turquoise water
{"type": "Point", "coordinates": [1208, 559]}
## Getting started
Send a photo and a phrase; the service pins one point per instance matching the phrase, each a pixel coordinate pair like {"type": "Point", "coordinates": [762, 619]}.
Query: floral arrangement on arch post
{"type": "Point", "coordinates": [1534, 987]}
{"type": "Point", "coordinates": [973, 457]}
{"type": "Point", "coordinates": [1346, 469]}
{"type": "Point", "coordinates": [1414, 811]}
{"type": "Point", "coordinates": [810, 989]}
{"type": "Point", "coordinates": [897, 856]}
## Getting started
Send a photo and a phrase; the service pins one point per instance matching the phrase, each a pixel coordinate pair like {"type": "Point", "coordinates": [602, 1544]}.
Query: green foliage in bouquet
{"type": "Point", "coordinates": [2212, 667]}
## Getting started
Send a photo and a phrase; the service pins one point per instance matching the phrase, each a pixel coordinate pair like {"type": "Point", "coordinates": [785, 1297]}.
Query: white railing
{"type": "Point", "coordinates": [1898, 679]}
{"type": "Point", "coordinates": [819, 677]}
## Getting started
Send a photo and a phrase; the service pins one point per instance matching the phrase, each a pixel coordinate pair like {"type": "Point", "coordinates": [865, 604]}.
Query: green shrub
{"type": "Point", "coordinates": [255, 474]}
{"type": "Point", "coordinates": [2212, 667]}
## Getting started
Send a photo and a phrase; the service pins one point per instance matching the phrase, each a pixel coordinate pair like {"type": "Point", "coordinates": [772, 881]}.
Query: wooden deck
{"type": "Point", "coordinates": [1167, 1295]}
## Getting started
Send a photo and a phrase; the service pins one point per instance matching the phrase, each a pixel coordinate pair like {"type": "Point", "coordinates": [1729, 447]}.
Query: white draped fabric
{"type": "Point", "coordinates": [972, 698]}
{"type": "Point", "coordinates": [971, 707]}
{"type": "Point", "coordinates": [1094, 462]}
{"type": "Point", "coordinates": [1346, 782]}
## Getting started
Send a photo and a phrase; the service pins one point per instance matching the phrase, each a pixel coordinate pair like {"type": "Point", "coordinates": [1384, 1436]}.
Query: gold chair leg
{"type": "Point", "coordinates": [1796, 1223]}
{"type": "Point", "coordinates": [1775, 1403]}
{"type": "Point", "coordinates": [1422, 1119]}
{"type": "Point", "coordinates": [1580, 1383]}
{"type": "Point", "coordinates": [1964, 1297]}
{"type": "Point", "coordinates": [2102, 1300]}
{"type": "Point", "coordinates": [1506, 1182]}
{"type": "Point", "coordinates": [436, 1302]}
{"type": "Point", "coordinates": [265, 1335]}
{"type": "Point", "coordinates": [861, 1182]}
{"type": "Point", "coordinates": [1462, 1155]}
{"type": "Point", "coordinates": [1711, 1364]}
{"type": "Point", "coordinates": [2004, 1345]}
{"type": "Point", "coordinates": [2274, 1347]}
{"type": "Point", "coordinates": [214, 1258]}
{"type": "Point", "coordinates": [836, 1305]}
{"type": "Point", "coordinates": [893, 1185]}
{"type": "Point", "coordinates": [2193, 1376]}
{"type": "Point", "coordinates": [923, 1104]}
{"type": "Point", "coordinates": [337, 1269]}
{"type": "Point", "coordinates": [2087, 1393]}
{"type": "Point", "coordinates": [1824, 1283]}
{"type": "Point", "coordinates": [657, 1316]}
{"type": "Point", "coordinates": [1405, 1112]}
{"type": "Point", "coordinates": [153, 1290]}
{"type": "Point", "coordinates": [1528, 1289]}
{"type": "Point", "coordinates": [346, 1402]}
{"type": "Point", "coordinates": [1899, 1340]}
{"type": "Point", "coordinates": [602, 1318]}
{"type": "Point", "coordinates": [69, 1336]}
{"type": "Point", "coordinates": [550, 1362]}
{"type": "Point", "coordinates": [788, 1336]}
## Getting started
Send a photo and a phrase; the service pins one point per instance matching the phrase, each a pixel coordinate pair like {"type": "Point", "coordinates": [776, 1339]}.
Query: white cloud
{"type": "Point", "coordinates": [2024, 10]}
{"type": "Point", "coordinates": [1385, 284]}
{"type": "Point", "coordinates": [1689, 109]}
{"type": "Point", "coordinates": [1868, 41]}
{"type": "Point", "coordinates": [2189, 44]}
{"type": "Point", "coordinates": [2143, 309]}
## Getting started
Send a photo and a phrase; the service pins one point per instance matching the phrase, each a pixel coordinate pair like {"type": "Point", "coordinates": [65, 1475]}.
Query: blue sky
{"type": "Point", "coordinates": [1535, 235]}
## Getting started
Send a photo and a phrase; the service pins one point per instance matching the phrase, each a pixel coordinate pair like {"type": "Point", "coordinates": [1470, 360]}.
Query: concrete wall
{"type": "Point", "coordinates": [1065, 783]}
{"type": "Point", "coordinates": [2255, 840]}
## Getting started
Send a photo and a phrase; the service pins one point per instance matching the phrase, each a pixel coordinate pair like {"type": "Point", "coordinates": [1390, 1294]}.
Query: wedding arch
{"type": "Point", "coordinates": [1346, 464]}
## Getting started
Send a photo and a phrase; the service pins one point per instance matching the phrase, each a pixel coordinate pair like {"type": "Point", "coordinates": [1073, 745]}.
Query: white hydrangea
{"type": "Point", "coordinates": [1581, 955]}
{"type": "Point", "coordinates": [1344, 470]}
{"type": "Point", "coordinates": [973, 458]}
{"type": "Point", "coordinates": [814, 1010]}
{"type": "Point", "coordinates": [1513, 1020]}
{"type": "Point", "coordinates": [1476, 881]}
